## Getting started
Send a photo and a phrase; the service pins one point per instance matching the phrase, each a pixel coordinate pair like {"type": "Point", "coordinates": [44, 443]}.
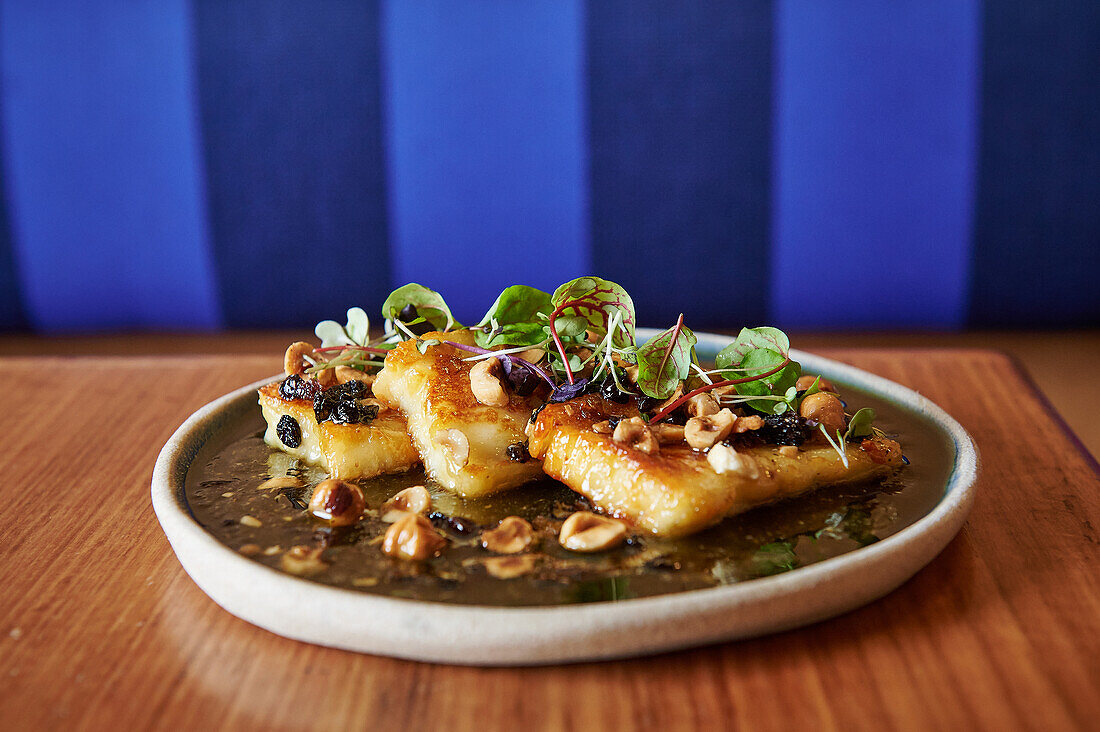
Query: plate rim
{"type": "Point", "coordinates": [427, 630]}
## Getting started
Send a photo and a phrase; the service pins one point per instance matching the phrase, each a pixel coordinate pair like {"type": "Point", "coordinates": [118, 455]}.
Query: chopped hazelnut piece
{"type": "Point", "coordinates": [826, 409]}
{"type": "Point", "coordinates": [275, 484]}
{"type": "Point", "coordinates": [303, 560]}
{"type": "Point", "coordinates": [486, 383]}
{"type": "Point", "coordinates": [510, 567]}
{"type": "Point", "coordinates": [414, 499]}
{"type": "Point", "coordinates": [667, 434]}
{"type": "Point", "coordinates": [634, 432]}
{"type": "Point", "coordinates": [746, 424]}
{"type": "Point", "coordinates": [412, 537]}
{"type": "Point", "coordinates": [590, 532]}
{"type": "Point", "coordinates": [702, 405]}
{"type": "Point", "coordinates": [456, 445]}
{"type": "Point", "coordinates": [338, 502]}
{"type": "Point", "coordinates": [251, 521]}
{"type": "Point", "coordinates": [602, 428]}
{"type": "Point", "coordinates": [294, 360]}
{"type": "Point", "coordinates": [789, 451]}
{"type": "Point", "coordinates": [511, 536]}
{"type": "Point", "coordinates": [806, 381]}
{"type": "Point", "coordinates": [724, 459]}
{"type": "Point", "coordinates": [702, 432]}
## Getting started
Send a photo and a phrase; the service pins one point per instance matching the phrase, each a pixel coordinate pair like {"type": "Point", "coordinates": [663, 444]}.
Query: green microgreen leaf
{"type": "Point", "coordinates": [860, 424]}
{"type": "Point", "coordinates": [429, 305]}
{"type": "Point", "coordinates": [758, 351]}
{"type": "Point", "coordinates": [597, 300]}
{"type": "Point", "coordinates": [665, 360]}
{"type": "Point", "coordinates": [513, 319]}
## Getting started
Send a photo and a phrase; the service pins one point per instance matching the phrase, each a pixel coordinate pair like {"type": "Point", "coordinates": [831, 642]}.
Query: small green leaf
{"type": "Point", "coordinates": [665, 360]}
{"type": "Point", "coordinates": [597, 301]}
{"type": "Point", "coordinates": [774, 558]}
{"type": "Point", "coordinates": [429, 305]}
{"type": "Point", "coordinates": [511, 319]}
{"type": "Point", "coordinates": [570, 326]}
{"type": "Point", "coordinates": [860, 423]}
{"type": "Point", "coordinates": [752, 339]}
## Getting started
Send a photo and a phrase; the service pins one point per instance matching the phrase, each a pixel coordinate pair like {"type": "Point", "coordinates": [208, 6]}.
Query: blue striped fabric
{"type": "Point", "coordinates": [838, 163]}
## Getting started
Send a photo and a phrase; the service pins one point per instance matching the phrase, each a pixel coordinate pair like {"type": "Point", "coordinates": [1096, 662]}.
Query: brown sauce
{"type": "Point", "coordinates": [221, 489]}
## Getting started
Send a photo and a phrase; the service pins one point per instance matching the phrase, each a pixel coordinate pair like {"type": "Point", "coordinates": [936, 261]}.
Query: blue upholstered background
{"type": "Point", "coordinates": [818, 163]}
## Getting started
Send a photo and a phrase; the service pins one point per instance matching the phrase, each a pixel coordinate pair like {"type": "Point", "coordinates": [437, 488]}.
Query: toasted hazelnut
{"type": "Point", "coordinates": [275, 484]}
{"type": "Point", "coordinates": [294, 360]}
{"type": "Point", "coordinates": [511, 536]}
{"type": "Point", "coordinates": [634, 432]}
{"type": "Point", "coordinates": [589, 532]}
{"type": "Point", "coordinates": [303, 560]}
{"type": "Point", "coordinates": [667, 434]}
{"type": "Point", "coordinates": [326, 378]}
{"type": "Point", "coordinates": [602, 428]}
{"type": "Point", "coordinates": [251, 521]}
{"type": "Point", "coordinates": [724, 459]}
{"type": "Point", "coordinates": [788, 451]}
{"type": "Point", "coordinates": [456, 445]}
{"type": "Point", "coordinates": [702, 432]}
{"type": "Point", "coordinates": [412, 537]}
{"type": "Point", "coordinates": [826, 409]}
{"type": "Point", "coordinates": [702, 405]}
{"type": "Point", "coordinates": [414, 499]}
{"type": "Point", "coordinates": [486, 384]}
{"type": "Point", "coordinates": [249, 549]}
{"type": "Point", "coordinates": [747, 424]}
{"type": "Point", "coordinates": [337, 502]}
{"type": "Point", "coordinates": [882, 450]}
{"type": "Point", "coordinates": [510, 567]}
{"type": "Point", "coordinates": [345, 374]}
{"type": "Point", "coordinates": [806, 381]}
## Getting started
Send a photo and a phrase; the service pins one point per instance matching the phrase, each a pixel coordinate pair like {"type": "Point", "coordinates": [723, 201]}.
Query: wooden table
{"type": "Point", "coordinates": [101, 628]}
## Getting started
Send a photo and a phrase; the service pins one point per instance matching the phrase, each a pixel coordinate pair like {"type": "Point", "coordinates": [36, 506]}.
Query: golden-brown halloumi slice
{"type": "Point", "coordinates": [463, 443]}
{"type": "Point", "coordinates": [345, 451]}
{"type": "Point", "coordinates": [677, 491]}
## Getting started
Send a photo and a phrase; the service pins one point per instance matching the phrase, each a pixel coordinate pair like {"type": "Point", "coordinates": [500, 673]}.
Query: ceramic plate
{"type": "Point", "coordinates": [480, 635]}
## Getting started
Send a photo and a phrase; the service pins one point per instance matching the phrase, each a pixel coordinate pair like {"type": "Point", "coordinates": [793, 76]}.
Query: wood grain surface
{"type": "Point", "coordinates": [101, 628]}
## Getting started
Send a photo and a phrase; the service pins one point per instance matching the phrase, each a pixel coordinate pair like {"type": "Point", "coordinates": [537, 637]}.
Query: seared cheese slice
{"type": "Point", "coordinates": [345, 451]}
{"type": "Point", "coordinates": [463, 443]}
{"type": "Point", "coordinates": [678, 491]}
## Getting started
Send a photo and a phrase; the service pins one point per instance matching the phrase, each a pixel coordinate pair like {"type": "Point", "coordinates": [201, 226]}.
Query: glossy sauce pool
{"type": "Point", "coordinates": [221, 489]}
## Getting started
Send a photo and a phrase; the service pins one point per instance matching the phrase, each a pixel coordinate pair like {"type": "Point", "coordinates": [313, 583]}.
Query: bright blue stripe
{"type": "Point", "coordinates": [875, 156]}
{"type": "Point", "coordinates": [107, 203]}
{"type": "Point", "coordinates": [485, 145]}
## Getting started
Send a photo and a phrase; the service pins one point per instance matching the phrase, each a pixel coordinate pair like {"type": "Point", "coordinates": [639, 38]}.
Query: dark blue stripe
{"type": "Point", "coordinates": [875, 149]}
{"type": "Point", "coordinates": [679, 117]}
{"type": "Point", "coordinates": [12, 316]}
{"type": "Point", "coordinates": [1037, 249]}
{"type": "Point", "coordinates": [486, 146]}
{"type": "Point", "coordinates": [101, 165]}
{"type": "Point", "coordinates": [292, 123]}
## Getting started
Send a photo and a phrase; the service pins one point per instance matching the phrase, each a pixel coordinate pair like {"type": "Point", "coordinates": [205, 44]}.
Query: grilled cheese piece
{"type": "Point", "coordinates": [463, 443]}
{"type": "Point", "coordinates": [678, 491]}
{"type": "Point", "coordinates": [345, 451]}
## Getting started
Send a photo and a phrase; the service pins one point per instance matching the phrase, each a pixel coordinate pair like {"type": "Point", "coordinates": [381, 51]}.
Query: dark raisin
{"type": "Point", "coordinates": [517, 452]}
{"type": "Point", "coordinates": [353, 389]}
{"type": "Point", "coordinates": [289, 431]}
{"type": "Point", "coordinates": [784, 429]}
{"type": "Point", "coordinates": [458, 525]}
{"type": "Point", "coordinates": [647, 403]}
{"type": "Point", "coordinates": [408, 314]}
{"type": "Point", "coordinates": [323, 405]}
{"type": "Point", "coordinates": [367, 412]}
{"type": "Point", "coordinates": [289, 388]}
{"type": "Point", "coordinates": [345, 413]}
{"type": "Point", "coordinates": [309, 389]}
